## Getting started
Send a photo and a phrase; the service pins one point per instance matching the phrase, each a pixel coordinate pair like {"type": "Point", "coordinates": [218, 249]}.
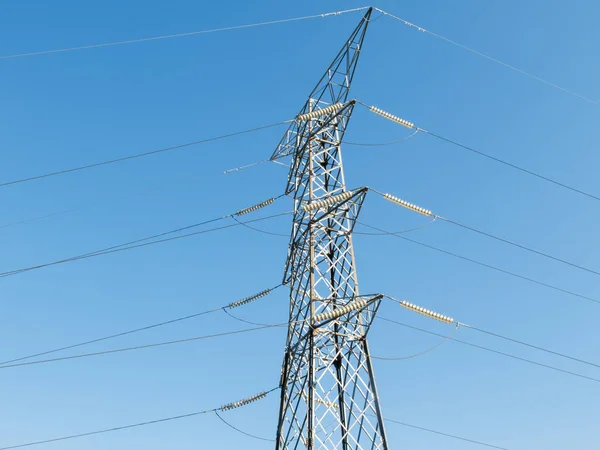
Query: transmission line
{"type": "Point", "coordinates": [139, 155]}
{"type": "Point", "coordinates": [479, 263]}
{"type": "Point", "coordinates": [148, 327]}
{"type": "Point", "coordinates": [446, 319]}
{"type": "Point", "coordinates": [412, 126]}
{"type": "Point", "coordinates": [227, 407]}
{"type": "Point", "coordinates": [139, 243]}
{"type": "Point", "coordinates": [453, 436]}
{"type": "Point", "coordinates": [428, 213]}
{"type": "Point", "coordinates": [489, 58]}
{"type": "Point", "coordinates": [424, 352]}
{"type": "Point", "coordinates": [481, 347]}
{"type": "Point", "coordinates": [514, 166]}
{"type": "Point", "coordinates": [171, 36]}
{"type": "Point", "coordinates": [253, 436]}
{"type": "Point", "coordinates": [140, 347]}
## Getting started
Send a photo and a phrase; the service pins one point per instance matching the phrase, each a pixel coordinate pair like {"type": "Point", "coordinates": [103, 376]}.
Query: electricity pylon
{"type": "Point", "coordinates": [328, 394]}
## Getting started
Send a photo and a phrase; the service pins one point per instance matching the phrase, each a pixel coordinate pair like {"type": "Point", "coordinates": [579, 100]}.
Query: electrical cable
{"type": "Point", "coordinates": [514, 166]}
{"type": "Point", "coordinates": [411, 125]}
{"type": "Point", "coordinates": [408, 230]}
{"type": "Point", "coordinates": [139, 155]}
{"type": "Point", "coordinates": [171, 36]}
{"type": "Point", "coordinates": [522, 247]}
{"type": "Point", "coordinates": [140, 347]}
{"type": "Point", "coordinates": [483, 55]}
{"type": "Point", "coordinates": [447, 319]}
{"type": "Point", "coordinates": [125, 333]}
{"type": "Point", "coordinates": [439, 344]}
{"type": "Point", "coordinates": [114, 249]}
{"type": "Point", "coordinates": [453, 436]}
{"type": "Point", "coordinates": [258, 229]}
{"type": "Point", "coordinates": [508, 355]}
{"type": "Point", "coordinates": [238, 404]}
{"type": "Point", "coordinates": [516, 341]}
{"type": "Point", "coordinates": [242, 432]}
{"type": "Point", "coordinates": [42, 217]}
{"type": "Point", "coordinates": [233, 316]}
{"type": "Point", "coordinates": [380, 144]}
{"type": "Point", "coordinates": [479, 263]}
{"type": "Point", "coordinates": [108, 430]}
{"type": "Point", "coordinates": [412, 207]}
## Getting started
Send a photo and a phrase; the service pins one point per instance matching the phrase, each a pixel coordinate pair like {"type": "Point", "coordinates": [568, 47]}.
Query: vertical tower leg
{"type": "Point", "coordinates": [328, 398]}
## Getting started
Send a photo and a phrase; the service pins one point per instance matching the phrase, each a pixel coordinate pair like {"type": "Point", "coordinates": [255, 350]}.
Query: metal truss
{"type": "Point", "coordinates": [328, 394]}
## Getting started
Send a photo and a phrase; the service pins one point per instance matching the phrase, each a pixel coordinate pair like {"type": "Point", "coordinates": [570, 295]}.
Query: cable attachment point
{"type": "Point", "coordinates": [249, 299]}
{"type": "Point", "coordinates": [241, 212]}
{"type": "Point", "coordinates": [328, 201]}
{"type": "Point", "coordinates": [320, 112]}
{"type": "Point", "coordinates": [243, 402]}
{"type": "Point", "coordinates": [426, 312]}
{"type": "Point", "coordinates": [407, 205]}
{"type": "Point", "coordinates": [382, 113]}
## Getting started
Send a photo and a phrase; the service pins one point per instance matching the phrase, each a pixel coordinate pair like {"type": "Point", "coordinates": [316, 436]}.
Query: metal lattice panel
{"type": "Point", "coordinates": [329, 398]}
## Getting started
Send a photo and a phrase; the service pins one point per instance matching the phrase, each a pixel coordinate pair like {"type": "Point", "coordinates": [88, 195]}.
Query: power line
{"type": "Point", "coordinates": [140, 347]}
{"type": "Point", "coordinates": [522, 247]}
{"type": "Point", "coordinates": [253, 436]}
{"type": "Point", "coordinates": [139, 155]}
{"type": "Point", "coordinates": [227, 407]}
{"type": "Point", "coordinates": [120, 248]}
{"type": "Point", "coordinates": [514, 166]}
{"type": "Point", "coordinates": [439, 344]}
{"type": "Point", "coordinates": [428, 213]}
{"type": "Point", "coordinates": [453, 436]}
{"type": "Point", "coordinates": [216, 411]}
{"type": "Point", "coordinates": [508, 355]}
{"type": "Point", "coordinates": [109, 430]}
{"type": "Point", "coordinates": [381, 144]}
{"type": "Point", "coordinates": [144, 328]}
{"type": "Point", "coordinates": [516, 341]}
{"type": "Point", "coordinates": [171, 36]}
{"type": "Point", "coordinates": [479, 263]}
{"type": "Point", "coordinates": [432, 314]}
{"type": "Point", "coordinates": [407, 230]}
{"type": "Point", "coordinates": [483, 55]}
{"type": "Point", "coordinates": [250, 227]}
{"type": "Point", "coordinates": [412, 126]}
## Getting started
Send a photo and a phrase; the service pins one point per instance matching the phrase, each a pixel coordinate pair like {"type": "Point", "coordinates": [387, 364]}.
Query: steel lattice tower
{"type": "Point", "coordinates": [328, 394]}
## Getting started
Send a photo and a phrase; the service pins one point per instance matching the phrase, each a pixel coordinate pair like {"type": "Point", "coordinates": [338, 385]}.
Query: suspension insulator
{"type": "Point", "coordinates": [404, 123]}
{"type": "Point", "coordinates": [243, 402]}
{"type": "Point", "coordinates": [338, 312]}
{"type": "Point", "coordinates": [248, 299]}
{"type": "Point", "coordinates": [426, 312]}
{"type": "Point", "coordinates": [318, 204]}
{"type": "Point", "coordinates": [320, 112]}
{"type": "Point", "coordinates": [407, 205]}
{"type": "Point", "coordinates": [241, 212]}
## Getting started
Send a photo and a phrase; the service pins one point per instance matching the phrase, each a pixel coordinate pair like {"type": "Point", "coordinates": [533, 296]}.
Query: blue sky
{"type": "Point", "coordinates": [75, 108]}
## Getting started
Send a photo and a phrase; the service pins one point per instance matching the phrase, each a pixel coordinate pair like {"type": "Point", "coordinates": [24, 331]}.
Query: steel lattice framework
{"type": "Point", "coordinates": [328, 394]}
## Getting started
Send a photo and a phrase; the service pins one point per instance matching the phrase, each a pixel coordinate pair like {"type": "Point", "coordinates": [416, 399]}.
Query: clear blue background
{"type": "Point", "coordinates": [62, 110]}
